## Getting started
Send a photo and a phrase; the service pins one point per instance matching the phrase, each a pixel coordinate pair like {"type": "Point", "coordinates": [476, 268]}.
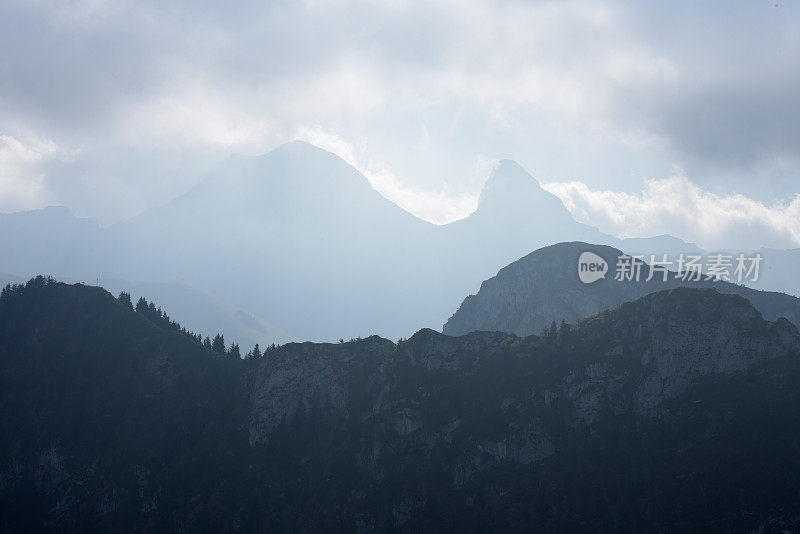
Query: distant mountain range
{"type": "Point", "coordinates": [300, 238]}
{"type": "Point", "coordinates": [532, 292]}
{"type": "Point", "coordinates": [674, 412]}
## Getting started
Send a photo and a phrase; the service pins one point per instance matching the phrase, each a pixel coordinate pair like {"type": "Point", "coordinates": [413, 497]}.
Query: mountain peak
{"type": "Point", "coordinates": [298, 146]}
{"type": "Point", "coordinates": [544, 286]}
{"type": "Point", "coordinates": [508, 180]}
{"type": "Point", "coordinates": [302, 154]}
{"type": "Point", "coordinates": [512, 191]}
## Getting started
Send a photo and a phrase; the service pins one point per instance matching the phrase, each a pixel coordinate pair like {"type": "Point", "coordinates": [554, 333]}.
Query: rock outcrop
{"type": "Point", "coordinates": [529, 294]}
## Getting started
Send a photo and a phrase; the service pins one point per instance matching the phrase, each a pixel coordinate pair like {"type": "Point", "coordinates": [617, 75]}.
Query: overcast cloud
{"type": "Point", "coordinates": [111, 107]}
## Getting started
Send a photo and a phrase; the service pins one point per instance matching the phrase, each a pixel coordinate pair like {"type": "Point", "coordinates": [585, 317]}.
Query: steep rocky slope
{"type": "Point", "coordinates": [529, 294]}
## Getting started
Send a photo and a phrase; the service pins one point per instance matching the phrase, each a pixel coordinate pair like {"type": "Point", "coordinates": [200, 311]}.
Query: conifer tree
{"type": "Point", "coordinates": [125, 298]}
{"type": "Point", "coordinates": [218, 345]}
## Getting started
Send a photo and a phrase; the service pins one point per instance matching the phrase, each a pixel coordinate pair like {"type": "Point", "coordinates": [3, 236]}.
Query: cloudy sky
{"type": "Point", "coordinates": [646, 117]}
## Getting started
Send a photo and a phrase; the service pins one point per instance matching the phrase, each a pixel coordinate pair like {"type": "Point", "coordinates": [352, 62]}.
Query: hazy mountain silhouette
{"type": "Point", "coordinates": [657, 246]}
{"type": "Point", "coordinates": [317, 249]}
{"type": "Point", "coordinates": [514, 216]}
{"type": "Point", "coordinates": [203, 312]}
{"type": "Point", "coordinates": [300, 238]}
{"type": "Point", "coordinates": [50, 240]}
{"type": "Point", "coordinates": [197, 310]}
{"type": "Point", "coordinates": [781, 271]}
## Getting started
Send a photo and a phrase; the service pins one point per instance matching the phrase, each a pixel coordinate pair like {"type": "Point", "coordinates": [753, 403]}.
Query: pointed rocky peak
{"type": "Point", "coordinates": [506, 181]}
{"type": "Point", "coordinates": [511, 190]}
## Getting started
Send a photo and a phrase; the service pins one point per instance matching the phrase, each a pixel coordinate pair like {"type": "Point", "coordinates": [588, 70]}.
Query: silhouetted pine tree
{"type": "Point", "coordinates": [552, 331]}
{"type": "Point", "coordinates": [218, 345]}
{"type": "Point", "coordinates": [234, 351]}
{"type": "Point", "coordinates": [125, 298]}
{"type": "Point", "coordinates": [40, 281]}
{"type": "Point", "coordinates": [563, 329]}
{"type": "Point", "coordinates": [11, 290]}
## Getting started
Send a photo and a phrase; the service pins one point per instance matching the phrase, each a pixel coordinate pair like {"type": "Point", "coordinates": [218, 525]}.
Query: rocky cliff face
{"type": "Point", "coordinates": [669, 340]}
{"type": "Point", "coordinates": [676, 409]}
{"type": "Point", "coordinates": [296, 376]}
{"type": "Point", "coordinates": [464, 409]}
{"type": "Point", "coordinates": [656, 347]}
{"type": "Point", "coordinates": [529, 294]}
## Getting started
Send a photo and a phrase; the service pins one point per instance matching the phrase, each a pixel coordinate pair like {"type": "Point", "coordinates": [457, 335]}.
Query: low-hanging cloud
{"type": "Point", "coordinates": [21, 176]}
{"type": "Point", "coordinates": [678, 207]}
{"type": "Point", "coordinates": [438, 206]}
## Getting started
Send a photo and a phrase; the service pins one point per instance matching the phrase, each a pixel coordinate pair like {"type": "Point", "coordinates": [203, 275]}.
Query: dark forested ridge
{"type": "Point", "coordinates": [675, 412]}
{"type": "Point", "coordinates": [105, 411]}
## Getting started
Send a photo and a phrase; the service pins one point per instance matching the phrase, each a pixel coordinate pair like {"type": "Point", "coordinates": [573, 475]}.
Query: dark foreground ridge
{"type": "Point", "coordinates": [678, 411]}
